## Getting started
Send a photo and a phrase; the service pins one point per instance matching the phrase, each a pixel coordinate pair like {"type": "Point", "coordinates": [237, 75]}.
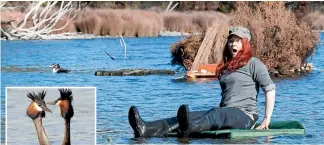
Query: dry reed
{"type": "Point", "coordinates": [191, 21]}
{"type": "Point", "coordinates": [316, 19]}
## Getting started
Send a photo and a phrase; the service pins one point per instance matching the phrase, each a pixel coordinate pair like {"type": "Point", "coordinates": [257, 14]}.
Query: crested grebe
{"type": "Point", "coordinates": [36, 111]}
{"type": "Point", "coordinates": [65, 104]}
{"type": "Point", "coordinates": [57, 69]}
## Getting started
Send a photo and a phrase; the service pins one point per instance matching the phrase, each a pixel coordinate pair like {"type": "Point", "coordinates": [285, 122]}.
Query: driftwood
{"type": "Point", "coordinates": [212, 47]}
{"type": "Point", "coordinates": [43, 18]}
{"type": "Point", "coordinates": [201, 49]}
{"type": "Point", "coordinates": [133, 72]}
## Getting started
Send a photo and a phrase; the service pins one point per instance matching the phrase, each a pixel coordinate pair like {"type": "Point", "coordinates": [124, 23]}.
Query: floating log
{"type": "Point", "coordinates": [133, 72]}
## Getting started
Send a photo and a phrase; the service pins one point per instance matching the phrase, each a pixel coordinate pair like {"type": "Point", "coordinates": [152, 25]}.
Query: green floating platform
{"type": "Point", "coordinates": [275, 128]}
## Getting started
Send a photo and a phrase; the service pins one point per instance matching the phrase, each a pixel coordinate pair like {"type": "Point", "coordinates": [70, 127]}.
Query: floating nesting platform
{"type": "Point", "coordinates": [275, 128]}
{"type": "Point", "coordinates": [133, 72]}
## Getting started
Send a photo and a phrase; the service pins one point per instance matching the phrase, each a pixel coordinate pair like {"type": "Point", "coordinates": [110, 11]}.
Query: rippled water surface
{"type": "Point", "coordinates": [25, 63]}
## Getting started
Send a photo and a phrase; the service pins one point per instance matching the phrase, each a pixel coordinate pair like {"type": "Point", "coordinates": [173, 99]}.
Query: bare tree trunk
{"type": "Point", "coordinates": [212, 47]}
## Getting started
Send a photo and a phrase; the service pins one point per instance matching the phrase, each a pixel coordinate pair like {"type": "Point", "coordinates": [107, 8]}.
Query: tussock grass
{"type": "Point", "coordinates": [184, 51]}
{"type": "Point", "coordinates": [316, 19]}
{"type": "Point", "coordinates": [191, 21]}
{"type": "Point", "coordinates": [119, 22]}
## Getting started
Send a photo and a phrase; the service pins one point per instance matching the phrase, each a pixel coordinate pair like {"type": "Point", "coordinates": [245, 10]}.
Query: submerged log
{"type": "Point", "coordinates": [133, 72]}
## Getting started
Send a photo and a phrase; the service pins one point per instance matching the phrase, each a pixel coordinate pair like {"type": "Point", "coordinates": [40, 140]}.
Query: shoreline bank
{"type": "Point", "coordinates": [77, 35]}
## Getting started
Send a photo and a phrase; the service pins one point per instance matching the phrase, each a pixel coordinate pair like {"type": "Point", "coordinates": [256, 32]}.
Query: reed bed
{"type": "Point", "coordinates": [130, 22]}
{"type": "Point", "coordinates": [191, 21]}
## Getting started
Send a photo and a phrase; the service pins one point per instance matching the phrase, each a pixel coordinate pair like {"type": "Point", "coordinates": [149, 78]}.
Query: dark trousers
{"type": "Point", "coordinates": [217, 118]}
{"type": "Point", "coordinates": [213, 119]}
{"type": "Point", "coordinates": [224, 118]}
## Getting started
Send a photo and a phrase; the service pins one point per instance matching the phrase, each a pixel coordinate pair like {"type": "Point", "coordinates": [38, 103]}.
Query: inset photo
{"type": "Point", "coordinates": [51, 115]}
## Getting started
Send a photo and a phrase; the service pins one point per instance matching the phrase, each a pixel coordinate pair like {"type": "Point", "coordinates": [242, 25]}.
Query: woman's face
{"type": "Point", "coordinates": [234, 44]}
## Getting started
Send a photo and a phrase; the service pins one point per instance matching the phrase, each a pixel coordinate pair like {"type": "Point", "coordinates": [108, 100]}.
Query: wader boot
{"type": "Point", "coordinates": [159, 128]}
{"type": "Point", "coordinates": [214, 119]}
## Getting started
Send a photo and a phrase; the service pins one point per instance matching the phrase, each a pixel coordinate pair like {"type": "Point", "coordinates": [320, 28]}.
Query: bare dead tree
{"type": "Point", "coordinates": [123, 43]}
{"type": "Point", "coordinates": [43, 19]}
{"type": "Point", "coordinates": [168, 9]}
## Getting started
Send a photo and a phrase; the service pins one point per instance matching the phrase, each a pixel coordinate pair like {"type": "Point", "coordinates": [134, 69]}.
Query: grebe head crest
{"type": "Point", "coordinates": [38, 106]}
{"type": "Point", "coordinates": [65, 103]}
{"type": "Point", "coordinates": [55, 66]}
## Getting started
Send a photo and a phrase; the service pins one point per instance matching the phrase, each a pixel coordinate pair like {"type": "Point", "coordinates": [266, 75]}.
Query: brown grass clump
{"type": "Point", "coordinates": [316, 19]}
{"type": "Point", "coordinates": [70, 27]}
{"type": "Point", "coordinates": [184, 51]}
{"type": "Point", "coordinates": [191, 21]}
{"type": "Point", "coordinates": [87, 21]}
{"type": "Point", "coordinates": [16, 15]}
{"type": "Point", "coordinates": [119, 22]}
{"type": "Point", "coordinates": [278, 39]}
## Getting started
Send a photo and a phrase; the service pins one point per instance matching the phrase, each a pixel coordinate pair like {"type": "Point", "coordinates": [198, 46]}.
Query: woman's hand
{"type": "Point", "coordinates": [265, 124]}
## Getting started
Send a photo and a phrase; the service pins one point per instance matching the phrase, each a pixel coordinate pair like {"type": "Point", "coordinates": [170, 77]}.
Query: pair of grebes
{"type": "Point", "coordinates": [36, 111]}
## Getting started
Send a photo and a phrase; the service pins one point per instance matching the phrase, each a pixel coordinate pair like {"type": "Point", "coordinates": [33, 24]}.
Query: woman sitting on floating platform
{"type": "Point", "coordinates": [240, 76]}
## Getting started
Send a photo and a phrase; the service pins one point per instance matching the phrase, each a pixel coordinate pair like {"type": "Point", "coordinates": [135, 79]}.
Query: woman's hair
{"type": "Point", "coordinates": [242, 57]}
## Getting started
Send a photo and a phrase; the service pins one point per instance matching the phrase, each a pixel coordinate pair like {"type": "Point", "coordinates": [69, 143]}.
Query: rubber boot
{"type": "Point", "coordinates": [189, 125]}
{"type": "Point", "coordinates": [159, 128]}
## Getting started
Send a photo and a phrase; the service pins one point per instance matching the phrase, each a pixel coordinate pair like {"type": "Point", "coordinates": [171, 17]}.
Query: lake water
{"type": "Point", "coordinates": [25, 63]}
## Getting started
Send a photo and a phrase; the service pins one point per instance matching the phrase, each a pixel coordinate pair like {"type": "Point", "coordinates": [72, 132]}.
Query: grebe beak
{"type": "Point", "coordinates": [44, 107]}
{"type": "Point", "coordinates": [53, 103]}
{"type": "Point", "coordinates": [48, 110]}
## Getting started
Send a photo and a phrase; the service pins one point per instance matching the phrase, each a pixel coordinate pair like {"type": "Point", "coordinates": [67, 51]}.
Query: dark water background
{"type": "Point", "coordinates": [25, 63]}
